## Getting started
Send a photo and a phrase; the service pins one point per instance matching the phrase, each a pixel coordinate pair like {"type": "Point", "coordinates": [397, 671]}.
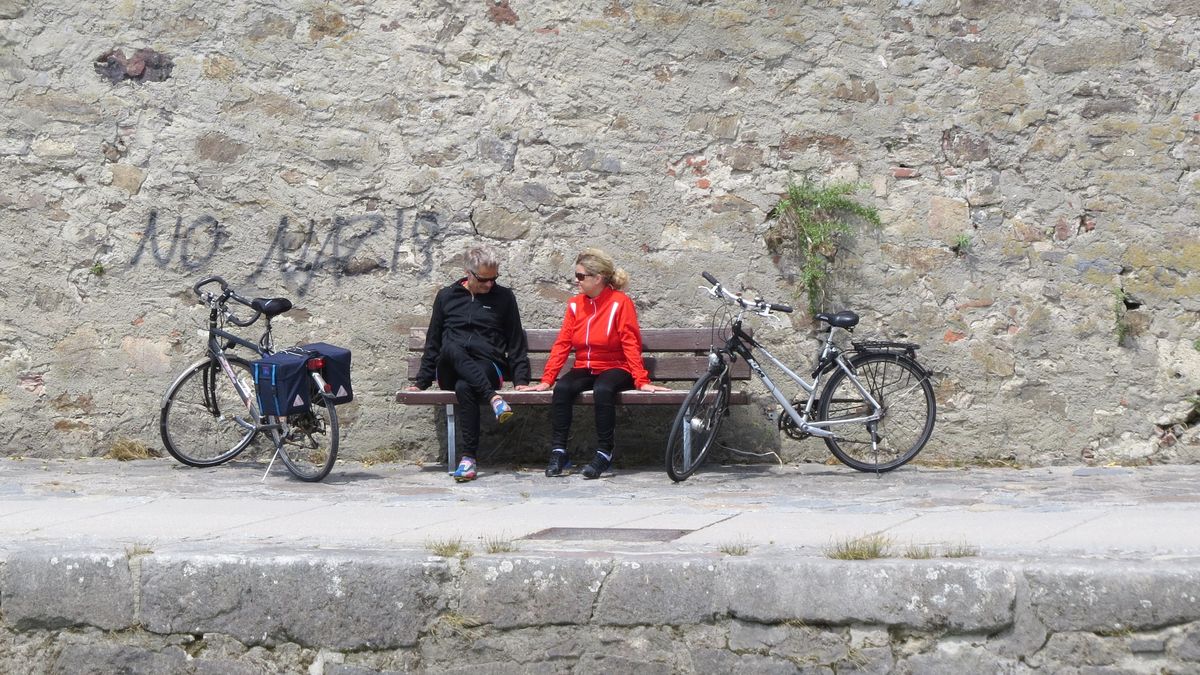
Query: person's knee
{"type": "Point", "coordinates": [604, 395]}
{"type": "Point", "coordinates": [609, 387]}
{"type": "Point", "coordinates": [450, 353]}
{"type": "Point", "coordinates": [563, 396]}
{"type": "Point", "coordinates": [465, 392]}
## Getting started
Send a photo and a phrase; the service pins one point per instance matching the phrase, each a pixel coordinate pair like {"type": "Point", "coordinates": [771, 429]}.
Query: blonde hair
{"type": "Point", "coordinates": [596, 261]}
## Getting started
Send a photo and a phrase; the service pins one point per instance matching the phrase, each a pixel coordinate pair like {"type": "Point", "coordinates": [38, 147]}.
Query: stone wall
{"type": "Point", "coordinates": [363, 612]}
{"type": "Point", "coordinates": [1036, 166]}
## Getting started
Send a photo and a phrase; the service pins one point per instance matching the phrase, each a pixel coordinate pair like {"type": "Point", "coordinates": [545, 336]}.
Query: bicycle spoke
{"type": "Point", "coordinates": [310, 447]}
{"type": "Point", "coordinates": [695, 429]}
{"type": "Point", "coordinates": [906, 416]}
{"type": "Point", "coordinates": [204, 421]}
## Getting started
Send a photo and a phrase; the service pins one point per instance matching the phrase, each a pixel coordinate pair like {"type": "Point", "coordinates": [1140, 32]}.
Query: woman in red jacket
{"type": "Point", "coordinates": [601, 327]}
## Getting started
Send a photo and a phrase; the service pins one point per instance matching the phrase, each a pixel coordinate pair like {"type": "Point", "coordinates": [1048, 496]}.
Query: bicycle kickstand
{"type": "Point", "coordinates": [278, 446]}
{"type": "Point", "coordinates": [873, 429]}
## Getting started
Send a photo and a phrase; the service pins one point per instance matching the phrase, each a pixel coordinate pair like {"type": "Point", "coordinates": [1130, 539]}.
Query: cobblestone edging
{"type": "Point", "coordinates": [370, 611]}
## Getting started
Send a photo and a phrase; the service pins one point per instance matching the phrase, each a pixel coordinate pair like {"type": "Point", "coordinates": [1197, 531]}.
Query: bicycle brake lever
{"type": "Point", "coordinates": [775, 319]}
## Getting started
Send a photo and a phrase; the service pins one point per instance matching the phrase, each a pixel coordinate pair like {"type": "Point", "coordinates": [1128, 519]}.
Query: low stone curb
{"type": "Point", "coordinates": [380, 601]}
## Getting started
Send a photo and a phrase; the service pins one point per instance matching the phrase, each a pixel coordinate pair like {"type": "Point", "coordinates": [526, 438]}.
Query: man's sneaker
{"type": "Point", "coordinates": [502, 409]}
{"type": "Point", "coordinates": [559, 462]}
{"type": "Point", "coordinates": [465, 470]}
{"type": "Point", "coordinates": [598, 466]}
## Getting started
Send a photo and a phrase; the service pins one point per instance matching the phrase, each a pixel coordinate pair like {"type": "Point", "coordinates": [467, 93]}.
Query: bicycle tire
{"type": "Point", "coordinates": [310, 448]}
{"type": "Point", "coordinates": [902, 387]}
{"type": "Point", "coordinates": [203, 420]}
{"type": "Point", "coordinates": [694, 431]}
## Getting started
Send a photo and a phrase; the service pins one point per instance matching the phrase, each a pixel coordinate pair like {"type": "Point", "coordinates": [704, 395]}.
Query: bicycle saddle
{"type": "Point", "coordinates": [272, 307]}
{"type": "Point", "coordinates": [843, 319]}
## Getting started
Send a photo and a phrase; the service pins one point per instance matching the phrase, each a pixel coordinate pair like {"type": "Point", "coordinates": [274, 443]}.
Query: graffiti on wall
{"type": "Point", "coordinates": [299, 251]}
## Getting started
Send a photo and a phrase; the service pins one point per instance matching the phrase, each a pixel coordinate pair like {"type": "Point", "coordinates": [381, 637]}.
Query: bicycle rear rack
{"type": "Point", "coordinates": [885, 346]}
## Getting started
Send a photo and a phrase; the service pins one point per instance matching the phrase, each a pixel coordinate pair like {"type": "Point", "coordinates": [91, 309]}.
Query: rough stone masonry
{"type": "Point", "coordinates": [375, 612]}
{"type": "Point", "coordinates": [1036, 165]}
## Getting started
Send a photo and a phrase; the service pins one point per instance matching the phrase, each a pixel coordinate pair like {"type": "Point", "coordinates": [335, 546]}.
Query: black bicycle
{"type": "Point", "coordinates": [211, 413]}
{"type": "Point", "coordinates": [875, 413]}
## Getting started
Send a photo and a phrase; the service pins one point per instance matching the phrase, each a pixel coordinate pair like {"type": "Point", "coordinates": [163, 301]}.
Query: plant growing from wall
{"type": "Point", "coordinates": [1122, 328]}
{"type": "Point", "coordinates": [962, 244]}
{"type": "Point", "coordinates": [810, 221]}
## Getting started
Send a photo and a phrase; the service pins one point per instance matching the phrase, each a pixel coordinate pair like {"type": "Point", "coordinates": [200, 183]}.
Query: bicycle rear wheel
{"type": "Point", "coordinates": [695, 429]}
{"type": "Point", "coordinates": [310, 447]}
{"type": "Point", "coordinates": [203, 420]}
{"type": "Point", "coordinates": [902, 388]}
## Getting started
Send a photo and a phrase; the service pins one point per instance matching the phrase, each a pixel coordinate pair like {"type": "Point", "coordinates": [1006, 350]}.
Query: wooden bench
{"type": "Point", "coordinates": [672, 355]}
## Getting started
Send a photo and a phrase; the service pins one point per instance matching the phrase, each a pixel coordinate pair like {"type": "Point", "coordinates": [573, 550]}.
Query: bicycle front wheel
{"type": "Point", "coordinates": [310, 447]}
{"type": "Point", "coordinates": [203, 420]}
{"type": "Point", "coordinates": [902, 388]}
{"type": "Point", "coordinates": [695, 429]}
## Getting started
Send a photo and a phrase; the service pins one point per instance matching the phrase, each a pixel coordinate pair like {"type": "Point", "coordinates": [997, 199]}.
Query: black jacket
{"type": "Point", "coordinates": [487, 325]}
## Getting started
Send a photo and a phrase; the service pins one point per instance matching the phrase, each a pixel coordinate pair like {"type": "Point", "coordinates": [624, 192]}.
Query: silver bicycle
{"type": "Point", "coordinates": [875, 413]}
{"type": "Point", "coordinates": [210, 413]}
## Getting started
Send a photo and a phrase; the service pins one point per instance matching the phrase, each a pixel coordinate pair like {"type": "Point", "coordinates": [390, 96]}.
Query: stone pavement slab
{"type": "Point", "coordinates": [1116, 512]}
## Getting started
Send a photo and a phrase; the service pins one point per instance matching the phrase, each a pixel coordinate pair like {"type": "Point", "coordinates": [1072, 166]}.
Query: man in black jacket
{"type": "Point", "coordinates": [475, 341]}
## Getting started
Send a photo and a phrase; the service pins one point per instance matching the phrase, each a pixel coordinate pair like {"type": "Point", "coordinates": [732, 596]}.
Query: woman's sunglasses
{"type": "Point", "coordinates": [580, 276]}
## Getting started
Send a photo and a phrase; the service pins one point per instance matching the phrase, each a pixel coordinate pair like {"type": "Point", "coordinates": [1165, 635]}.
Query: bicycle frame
{"type": "Point", "coordinates": [311, 429]}
{"type": "Point", "coordinates": [868, 383]}
{"type": "Point", "coordinates": [217, 353]}
{"type": "Point", "coordinates": [741, 344]}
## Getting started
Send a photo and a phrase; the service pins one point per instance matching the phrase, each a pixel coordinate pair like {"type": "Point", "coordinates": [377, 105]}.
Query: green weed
{"type": "Point", "coordinates": [810, 221]}
{"type": "Point", "coordinates": [961, 245]}
{"type": "Point", "coordinates": [493, 544]}
{"type": "Point", "coordinates": [125, 449]}
{"type": "Point", "coordinates": [919, 551]}
{"type": "Point", "coordinates": [867, 547]}
{"type": "Point", "coordinates": [447, 548]}
{"type": "Point", "coordinates": [739, 548]}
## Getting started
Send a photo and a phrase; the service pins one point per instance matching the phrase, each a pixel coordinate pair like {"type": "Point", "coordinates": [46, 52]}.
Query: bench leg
{"type": "Point", "coordinates": [451, 449]}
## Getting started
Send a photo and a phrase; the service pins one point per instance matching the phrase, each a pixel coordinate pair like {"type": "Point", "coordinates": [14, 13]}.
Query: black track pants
{"type": "Point", "coordinates": [605, 388]}
{"type": "Point", "coordinates": [474, 381]}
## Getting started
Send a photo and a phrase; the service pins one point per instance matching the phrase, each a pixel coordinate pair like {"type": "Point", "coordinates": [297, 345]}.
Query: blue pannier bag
{"type": "Point", "coordinates": [282, 384]}
{"type": "Point", "coordinates": [336, 371]}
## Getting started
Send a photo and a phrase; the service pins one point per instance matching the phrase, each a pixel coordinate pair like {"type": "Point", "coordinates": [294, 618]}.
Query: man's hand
{"type": "Point", "coordinates": [653, 387]}
{"type": "Point", "coordinates": [412, 387]}
{"type": "Point", "coordinates": [540, 386]}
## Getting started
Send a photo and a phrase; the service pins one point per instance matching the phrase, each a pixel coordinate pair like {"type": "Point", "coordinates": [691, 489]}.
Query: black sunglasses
{"type": "Point", "coordinates": [483, 280]}
{"type": "Point", "coordinates": [580, 276]}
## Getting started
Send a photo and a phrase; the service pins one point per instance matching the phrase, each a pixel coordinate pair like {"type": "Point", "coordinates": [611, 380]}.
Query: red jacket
{"type": "Point", "coordinates": [604, 334]}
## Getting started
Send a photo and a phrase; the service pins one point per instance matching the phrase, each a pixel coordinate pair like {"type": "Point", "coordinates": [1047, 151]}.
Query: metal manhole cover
{"type": "Point", "coordinates": [606, 534]}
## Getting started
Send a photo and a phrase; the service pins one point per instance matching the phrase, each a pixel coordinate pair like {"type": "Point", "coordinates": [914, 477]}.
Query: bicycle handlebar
{"type": "Point", "coordinates": [758, 306]}
{"type": "Point", "coordinates": [226, 294]}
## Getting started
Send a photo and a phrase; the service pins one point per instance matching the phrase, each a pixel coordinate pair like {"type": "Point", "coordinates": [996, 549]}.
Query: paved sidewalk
{"type": "Point", "coordinates": [1109, 512]}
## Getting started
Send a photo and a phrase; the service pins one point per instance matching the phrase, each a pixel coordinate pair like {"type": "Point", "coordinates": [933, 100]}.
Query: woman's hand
{"type": "Point", "coordinates": [649, 386]}
{"type": "Point", "coordinates": [540, 386]}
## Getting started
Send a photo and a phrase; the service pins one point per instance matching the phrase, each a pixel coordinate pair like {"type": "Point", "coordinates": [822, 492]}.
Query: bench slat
{"type": "Point", "coordinates": [438, 397]}
{"type": "Point", "coordinates": [653, 339]}
{"type": "Point", "coordinates": [661, 368]}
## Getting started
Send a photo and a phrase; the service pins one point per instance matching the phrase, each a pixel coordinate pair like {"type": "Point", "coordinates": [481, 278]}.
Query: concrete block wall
{"type": "Point", "coordinates": [344, 154]}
